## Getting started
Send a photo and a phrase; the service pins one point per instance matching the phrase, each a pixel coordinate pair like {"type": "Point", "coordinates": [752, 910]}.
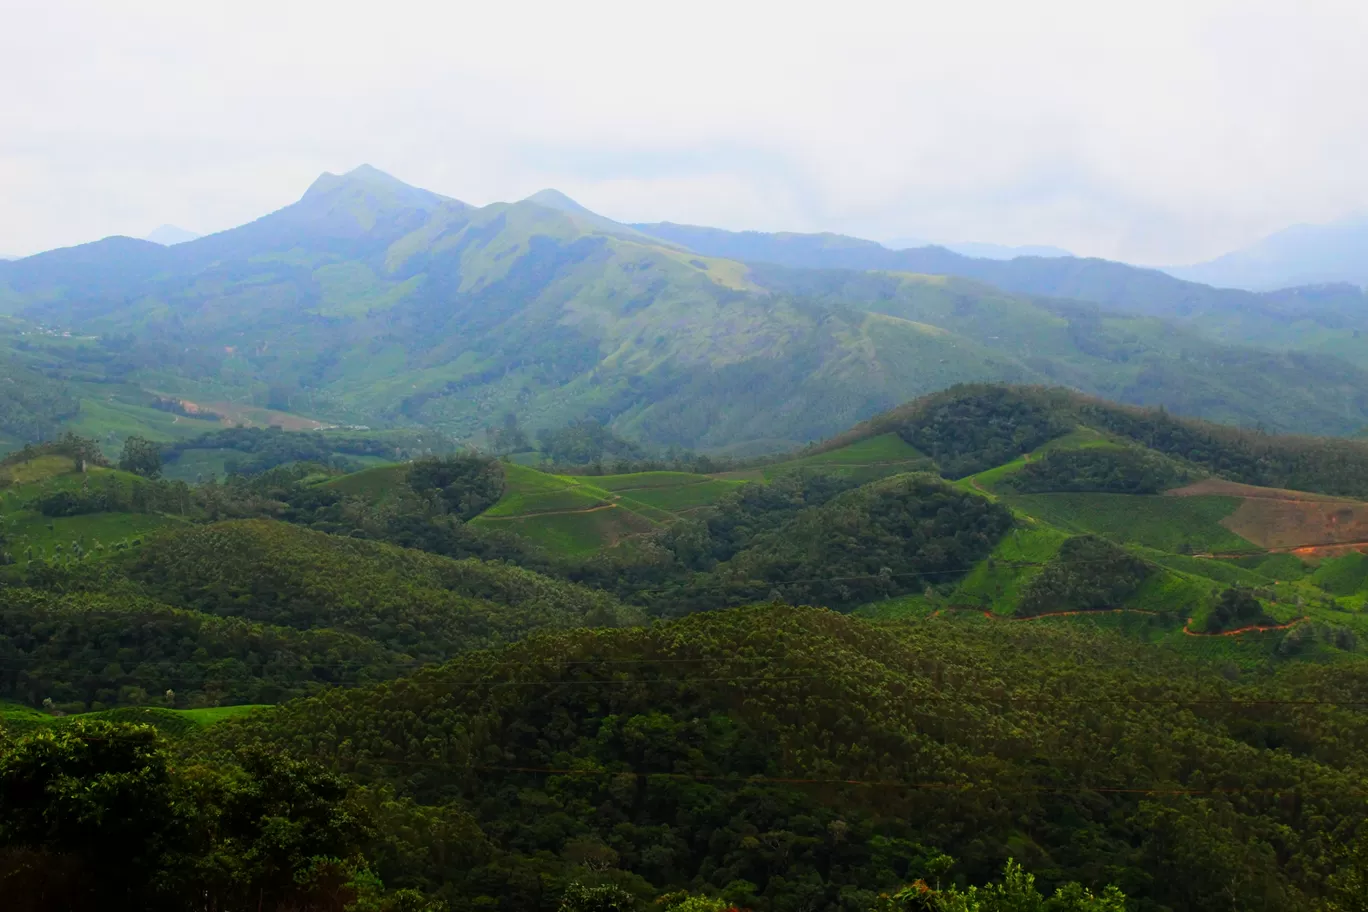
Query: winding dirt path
{"type": "Point", "coordinates": [611, 506]}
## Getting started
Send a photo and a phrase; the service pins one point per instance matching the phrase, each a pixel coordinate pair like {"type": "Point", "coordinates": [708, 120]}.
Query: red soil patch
{"type": "Point", "coordinates": [234, 413]}
{"type": "Point", "coordinates": [1281, 520]}
{"type": "Point", "coordinates": [1234, 489]}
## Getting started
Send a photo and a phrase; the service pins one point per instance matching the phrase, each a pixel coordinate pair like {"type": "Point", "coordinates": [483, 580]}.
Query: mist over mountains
{"type": "Point", "coordinates": [1299, 255]}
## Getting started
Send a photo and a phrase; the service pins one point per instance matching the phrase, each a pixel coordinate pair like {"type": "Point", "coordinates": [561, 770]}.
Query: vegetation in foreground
{"type": "Point", "coordinates": [1075, 669]}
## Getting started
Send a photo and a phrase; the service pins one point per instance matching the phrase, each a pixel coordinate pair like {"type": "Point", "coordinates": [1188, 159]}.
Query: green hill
{"type": "Point", "coordinates": [421, 604]}
{"type": "Point", "coordinates": [87, 651]}
{"type": "Point", "coordinates": [368, 302]}
{"type": "Point", "coordinates": [1119, 646]}
{"type": "Point", "coordinates": [728, 751]}
{"type": "Point", "coordinates": [1326, 318]}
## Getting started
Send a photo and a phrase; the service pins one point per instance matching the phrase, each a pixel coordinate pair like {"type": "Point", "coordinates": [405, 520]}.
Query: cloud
{"type": "Point", "coordinates": [1157, 132]}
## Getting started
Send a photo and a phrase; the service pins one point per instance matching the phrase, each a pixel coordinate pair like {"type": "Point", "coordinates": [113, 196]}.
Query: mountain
{"type": "Point", "coordinates": [1324, 319]}
{"type": "Point", "coordinates": [982, 250]}
{"type": "Point", "coordinates": [168, 235]}
{"type": "Point", "coordinates": [1300, 255]}
{"type": "Point", "coordinates": [371, 302]}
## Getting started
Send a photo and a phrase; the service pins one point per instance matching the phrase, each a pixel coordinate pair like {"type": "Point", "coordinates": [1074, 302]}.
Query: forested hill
{"type": "Point", "coordinates": [791, 758]}
{"type": "Point", "coordinates": [972, 428]}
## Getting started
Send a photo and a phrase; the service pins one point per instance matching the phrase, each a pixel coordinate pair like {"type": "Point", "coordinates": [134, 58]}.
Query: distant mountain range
{"type": "Point", "coordinates": [170, 234]}
{"type": "Point", "coordinates": [984, 250]}
{"type": "Point", "coordinates": [1300, 255]}
{"type": "Point", "coordinates": [373, 302]}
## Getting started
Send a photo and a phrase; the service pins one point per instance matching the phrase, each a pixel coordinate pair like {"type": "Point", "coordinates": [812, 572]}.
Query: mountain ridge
{"type": "Point", "coordinates": [368, 301]}
{"type": "Point", "coordinates": [1297, 255]}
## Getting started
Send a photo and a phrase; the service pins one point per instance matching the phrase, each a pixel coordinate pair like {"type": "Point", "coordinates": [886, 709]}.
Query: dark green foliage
{"type": "Point", "coordinates": [585, 442]}
{"type": "Point", "coordinates": [108, 492]}
{"type": "Point", "coordinates": [753, 510]}
{"type": "Point", "coordinates": [1088, 574]}
{"type": "Point", "coordinates": [606, 898]}
{"type": "Point", "coordinates": [1106, 469]}
{"type": "Point", "coordinates": [421, 604]}
{"type": "Point", "coordinates": [88, 651]}
{"type": "Point", "coordinates": [32, 406]}
{"type": "Point", "coordinates": [87, 814]}
{"type": "Point", "coordinates": [798, 759]}
{"type": "Point", "coordinates": [98, 816]}
{"type": "Point", "coordinates": [882, 539]}
{"type": "Point", "coordinates": [465, 485]}
{"type": "Point", "coordinates": [1235, 608]}
{"type": "Point", "coordinates": [1326, 465]}
{"type": "Point", "coordinates": [807, 538]}
{"type": "Point", "coordinates": [141, 457]}
{"type": "Point", "coordinates": [975, 428]}
{"type": "Point", "coordinates": [266, 448]}
{"type": "Point", "coordinates": [70, 503]}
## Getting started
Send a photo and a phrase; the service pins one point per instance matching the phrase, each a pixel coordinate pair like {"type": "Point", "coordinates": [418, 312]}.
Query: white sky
{"type": "Point", "coordinates": [1148, 130]}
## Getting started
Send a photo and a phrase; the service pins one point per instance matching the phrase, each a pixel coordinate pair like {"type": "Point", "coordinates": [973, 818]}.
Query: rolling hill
{"type": "Point", "coordinates": [1121, 646]}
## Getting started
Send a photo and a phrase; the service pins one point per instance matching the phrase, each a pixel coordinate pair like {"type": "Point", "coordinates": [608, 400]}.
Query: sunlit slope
{"type": "Point", "coordinates": [576, 514]}
{"type": "Point", "coordinates": [56, 510]}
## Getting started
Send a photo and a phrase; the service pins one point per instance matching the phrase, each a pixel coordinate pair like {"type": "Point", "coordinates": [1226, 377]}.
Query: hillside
{"type": "Point", "coordinates": [421, 604]}
{"type": "Point", "coordinates": [773, 753]}
{"type": "Point", "coordinates": [1311, 312]}
{"type": "Point", "coordinates": [1054, 629]}
{"type": "Point", "coordinates": [370, 302]}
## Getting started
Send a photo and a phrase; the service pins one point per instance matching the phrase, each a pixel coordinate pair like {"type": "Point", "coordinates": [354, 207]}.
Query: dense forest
{"type": "Point", "coordinates": [790, 758]}
{"type": "Point", "coordinates": [867, 679]}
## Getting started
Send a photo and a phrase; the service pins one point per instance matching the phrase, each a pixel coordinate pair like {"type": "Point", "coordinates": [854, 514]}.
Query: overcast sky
{"type": "Point", "coordinates": [1148, 131]}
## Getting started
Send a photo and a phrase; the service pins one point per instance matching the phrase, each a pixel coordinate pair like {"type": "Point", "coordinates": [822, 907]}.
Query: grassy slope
{"type": "Point", "coordinates": [29, 533]}
{"type": "Point", "coordinates": [577, 514]}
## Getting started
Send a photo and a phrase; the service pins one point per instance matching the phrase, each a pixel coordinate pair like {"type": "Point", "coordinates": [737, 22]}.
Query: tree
{"type": "Point", "coordinates": [88, 816]}
{"type": "Point", "coordinates": [606, 898]}
{"type": "Point", "coordinates": [141, 457]}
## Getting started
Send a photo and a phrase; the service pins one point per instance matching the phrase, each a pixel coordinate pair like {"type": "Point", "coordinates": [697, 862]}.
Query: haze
{"type": "Point", "coordinates": [1155, 133]}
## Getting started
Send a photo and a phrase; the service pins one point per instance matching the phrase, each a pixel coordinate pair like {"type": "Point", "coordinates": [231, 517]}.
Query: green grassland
{"type": "Point", "coordinates": [574, 534]}
{"type": "Point", "coordinates": [110, 421]}
{"type": "Point", "coordinates": [701, 492]}
{"type": "Point", "coordinates": [375, 483]}
{"type": "Point", "coordinates": [864, 460]}
{"type": "Point", "coordinates": [32, 471]}
{"type": "Point", "coordinates": [575, 514]}
{"type": "Point", "coordinates": [98, 534]}
{"type": "Point", "coordinates": [998, 581]}
{"type": "Point", "coordinates": [1166, 523]}
{"type": "Point", "coordinates": [28, 534]}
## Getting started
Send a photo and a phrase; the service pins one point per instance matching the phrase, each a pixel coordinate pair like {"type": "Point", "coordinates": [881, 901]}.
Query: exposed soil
{"type": "Point", "coordinates": [1281, 520]}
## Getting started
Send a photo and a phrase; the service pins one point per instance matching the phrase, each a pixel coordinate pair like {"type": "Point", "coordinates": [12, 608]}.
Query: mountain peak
{"type": "Point", "coordinates": [370, 181]}
{"type": "Point", "coordinates": [554, 199]}
{"type": "Point", "coordinates": [168, 235]}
